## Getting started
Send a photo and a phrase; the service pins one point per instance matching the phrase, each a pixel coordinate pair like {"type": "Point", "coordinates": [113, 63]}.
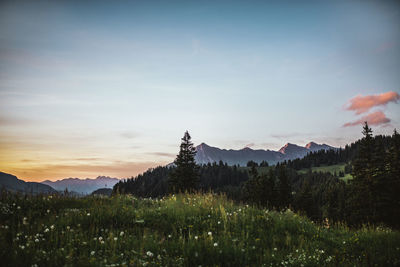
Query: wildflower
{"type": "Point", "coordinates": [122, 233]}
{"type": "Point", "coordinates": [196, 237]}
{"type": "Point", "coordinates": [219, 222]}
{"type": "Point", "coordinates": [159, 257]}
{"type": "Point", "coordinates": [275, 249]}
{"type": "Point", "coordinates": [92, 253]}
{"type": "Point", "coordinates": [48, 211]}
{"type": "Point", "coordinates": [37, 240]}
{"type": "Point", "coordinates": [88, 214]}
{"type": "Point", "coordinates": [149, 254]}
{"type": "Point", "coordinates": [209, 233]}
{"type": "Point", "coordinates": [169, 236]}
{"type": "Point", "coordinates": [46, 230]}
{"type": "Point", "coordinates": [215, 244]}
{"type": "Point", "coordinates": [52, 227]}
{"type": "Point", "coordinates": [115, 238]}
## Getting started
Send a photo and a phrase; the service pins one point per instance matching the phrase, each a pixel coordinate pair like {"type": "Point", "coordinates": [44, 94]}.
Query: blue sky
{"type": "Point", "coordinates": [108, 88]}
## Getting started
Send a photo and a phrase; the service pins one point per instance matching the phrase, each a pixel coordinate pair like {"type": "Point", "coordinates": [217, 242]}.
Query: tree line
{"type": "Point", "coordinates": [372, 196]}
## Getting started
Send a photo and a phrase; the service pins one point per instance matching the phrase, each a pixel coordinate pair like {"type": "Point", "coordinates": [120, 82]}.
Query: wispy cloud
{"type": "Point", "coordinates": [362, 104]}
{"type": "Point", "coordinates": [375, 118]}
{"type": "Point", "coordinates": [163, 154]}
{"type": "Point", "coordinates": [130, 135]}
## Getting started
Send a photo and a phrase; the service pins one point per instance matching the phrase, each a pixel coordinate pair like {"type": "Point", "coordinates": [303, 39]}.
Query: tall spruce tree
{"type": "Point", "coordinates": [392, 211]}
{"type": "Point", "coordinates": [362, 206]}
{"type": "Point", "coordinates": [284, 188]}
{"type": "Point", "coordinates": [185, 176]}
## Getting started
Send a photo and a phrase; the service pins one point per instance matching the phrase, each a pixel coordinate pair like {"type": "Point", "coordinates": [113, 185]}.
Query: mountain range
{"type": "Point", "coordinates": [205, 154]}
{"type": "Point", "coordinates": [13, 184]}
{"type": "Point", "coordinates": [82, 186]}
{"type": "Point", "coordinates": [208, 154]}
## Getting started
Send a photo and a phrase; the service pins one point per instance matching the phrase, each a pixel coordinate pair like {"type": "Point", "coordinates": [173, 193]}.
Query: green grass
{"type": "Point", "coordinates": [183, 230]}
{"type": "Point", "coordinates": [331, 169]}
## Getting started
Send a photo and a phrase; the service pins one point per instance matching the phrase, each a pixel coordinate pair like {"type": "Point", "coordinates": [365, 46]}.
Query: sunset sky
{"type": "Point", "coordinates": [92, 88]}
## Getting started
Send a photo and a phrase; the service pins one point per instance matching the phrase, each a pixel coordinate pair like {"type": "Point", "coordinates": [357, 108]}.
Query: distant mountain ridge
{"type": "Point", "coordinates": [82, 186]}
{"type": "Point", "coordinates": [208, 154]}
{"type": "Point", "coordinates": [11, 183]}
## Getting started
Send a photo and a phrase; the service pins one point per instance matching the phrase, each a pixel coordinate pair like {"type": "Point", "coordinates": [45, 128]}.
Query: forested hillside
{"type": "Point", "coordinates": [371, 197]}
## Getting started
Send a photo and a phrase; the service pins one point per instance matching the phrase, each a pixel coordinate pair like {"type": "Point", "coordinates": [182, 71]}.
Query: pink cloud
{"type": "Point", "coordinates": [361, 104]}
{"type": "Point", "coordinates": [375, 118]}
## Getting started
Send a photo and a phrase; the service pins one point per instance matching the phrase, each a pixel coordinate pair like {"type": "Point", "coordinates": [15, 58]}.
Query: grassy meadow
{"type": "Point", "coordinates": [182, 230]}
{"type": "Point", "coordinates": [331, 169]}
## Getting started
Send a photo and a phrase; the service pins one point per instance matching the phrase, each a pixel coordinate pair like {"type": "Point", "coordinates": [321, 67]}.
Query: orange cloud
{"type": "Point", "coordinates": [361, 104]}
{"type": "Point", "coordinates": [375, 118]}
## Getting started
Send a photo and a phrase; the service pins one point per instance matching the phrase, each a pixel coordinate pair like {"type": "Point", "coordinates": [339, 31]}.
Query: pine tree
{"type": "Point", "coordinates": [284, 188]}
{"type": "Point", "coordinates": [362, 206]}
{"type": "Point", "coordinates": [185, 176]}
{"type": "Point", "coordinates": [392, 211]}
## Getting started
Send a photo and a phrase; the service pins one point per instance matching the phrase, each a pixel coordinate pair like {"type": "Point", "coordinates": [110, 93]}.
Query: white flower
{"type": "Point", "coordinates": [122, 233]}
{"type": "Point", "coordinates": [48, 211]}
{"type": "Point", "coordinates": [92, 253]}
{"type": "Point", "coordinates": [36, 240]}
{"type": "Point", "coordinates": [196, 237]}
{"type": "Point", "coordinates": [115, 238]}
{"type": "Point", "coordinates": [215, 244]}
{"type": "Point", "coordinates": [209, 233]}
{"type": "Point", "coordinates": [88, 214]}
{"type": "Point", "coordinates": [169, 236]}
{"type": "Point", "coordinates": [275, 249]}
{"type": "Point", "coordinates": [100, 238]}
{"type": "Point", "coordinates": [148, 253]}
{"type": "Point", "coordinates": [52, 227]}
{"type": "Point", "coordinates": [46, 230]}
{"type": "Point", "coordinates": [159, 257]}
{"type": "Point", "coordinates": [219, 222]}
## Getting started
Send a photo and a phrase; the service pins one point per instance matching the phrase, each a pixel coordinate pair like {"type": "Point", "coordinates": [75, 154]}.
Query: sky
{"type": "Point", "coordinates": [91, 88]}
